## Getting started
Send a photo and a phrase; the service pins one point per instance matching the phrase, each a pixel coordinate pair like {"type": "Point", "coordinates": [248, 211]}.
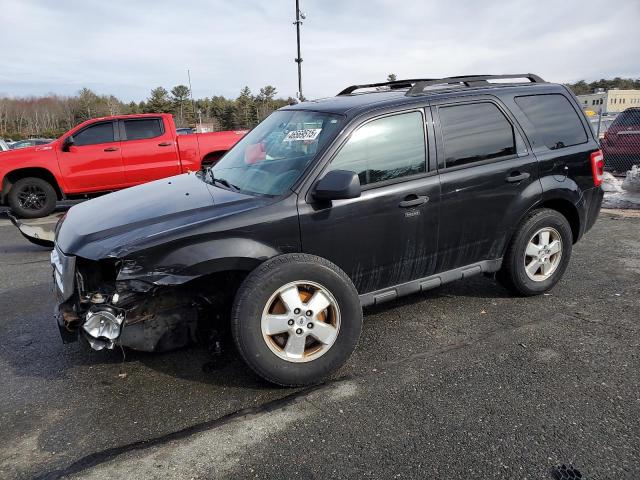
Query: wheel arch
{"type": "Point", "coordinates": [38, 172]}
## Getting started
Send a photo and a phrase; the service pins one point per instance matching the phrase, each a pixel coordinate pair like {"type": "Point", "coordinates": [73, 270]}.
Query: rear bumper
{"type": "Point", "coordinates": [590, 205]}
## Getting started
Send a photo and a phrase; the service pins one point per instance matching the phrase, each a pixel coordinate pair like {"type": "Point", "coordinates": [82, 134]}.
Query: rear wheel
{"type": "Point", "coordinates": [538, 254]}
{"type": "Point", "coordinates": [296, 319]}
{"type": "Point", "coordinates": [32, 197]}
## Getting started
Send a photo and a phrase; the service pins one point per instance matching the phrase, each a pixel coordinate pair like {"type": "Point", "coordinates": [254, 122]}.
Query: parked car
{"type": "Point", "coordinates": [3, 146]}
{"type": "Point", "coordinates": [103, 155]}
{"type": "Point", "coordinates": [331, 205]}
{"type": "Point", "coordinates": [31, 142]}
{"type": "Point", "coordinates": [185, 131]}
{"type": "Point", "coordinates": [621, 143]}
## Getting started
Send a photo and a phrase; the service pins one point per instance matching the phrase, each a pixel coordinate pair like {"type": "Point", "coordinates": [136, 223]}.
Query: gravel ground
{"type": "Point", "coordinates": [461, 382]}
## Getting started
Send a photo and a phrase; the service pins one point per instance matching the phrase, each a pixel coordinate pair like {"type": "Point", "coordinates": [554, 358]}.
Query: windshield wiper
{"type": "Point", "coordinates": [222, 181]}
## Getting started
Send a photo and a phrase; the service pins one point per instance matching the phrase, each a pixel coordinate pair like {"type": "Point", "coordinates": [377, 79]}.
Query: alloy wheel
{"type": "Point", "coordinates": [543, 253]}
{"type": "Point", "coordinates": [300, 321]}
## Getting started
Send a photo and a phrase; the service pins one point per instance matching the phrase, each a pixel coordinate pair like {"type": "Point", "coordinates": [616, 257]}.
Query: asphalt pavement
{"type": "Point", "coordinates": [464, 381]}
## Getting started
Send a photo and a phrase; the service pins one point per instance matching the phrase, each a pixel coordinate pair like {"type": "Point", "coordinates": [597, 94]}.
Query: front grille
{"type": "Point", "coordinates": [63, 272]}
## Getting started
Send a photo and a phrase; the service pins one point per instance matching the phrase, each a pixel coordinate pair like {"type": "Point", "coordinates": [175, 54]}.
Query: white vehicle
{"type": "Point", "coordinates": [3, 146]}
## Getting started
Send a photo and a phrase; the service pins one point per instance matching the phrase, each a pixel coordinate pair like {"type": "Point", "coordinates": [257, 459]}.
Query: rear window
{"type": "Point", "coordinates": [141, 129]}
{"type": "Point", "coordinates": [556, 122]}
{"type": "Point", "coordinates": [475, 132]}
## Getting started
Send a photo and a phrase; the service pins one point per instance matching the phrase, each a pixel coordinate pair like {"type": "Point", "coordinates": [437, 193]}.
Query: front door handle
{"type": "Point", "coordinates": [111, 149]}
{"type": "Point", "coordinates": [165, 144]}
{"type": "Point", "coordinates": [517, 177]}
{"type": "Point", "coordinates": [414, 201]}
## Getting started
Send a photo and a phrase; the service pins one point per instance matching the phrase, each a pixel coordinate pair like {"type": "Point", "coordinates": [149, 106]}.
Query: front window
{"type": "Point", "coordinates": [273, 156]}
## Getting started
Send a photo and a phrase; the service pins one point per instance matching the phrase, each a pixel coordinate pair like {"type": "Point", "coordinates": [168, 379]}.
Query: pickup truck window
{"type": "Point", "coordinates": [272, 156]}
{"type": "Point", "coordinates": [97, 133]}
{"type": "Point", "coordinates": [143, 128]}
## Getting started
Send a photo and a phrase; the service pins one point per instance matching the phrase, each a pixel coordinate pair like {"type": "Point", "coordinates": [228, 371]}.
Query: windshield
{"type": "Point", "coordinates": [272, 156]}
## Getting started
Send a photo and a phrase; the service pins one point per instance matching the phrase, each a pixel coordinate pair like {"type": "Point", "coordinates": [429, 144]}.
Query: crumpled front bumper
{"type": "Point", "coordinates": [135, 317]}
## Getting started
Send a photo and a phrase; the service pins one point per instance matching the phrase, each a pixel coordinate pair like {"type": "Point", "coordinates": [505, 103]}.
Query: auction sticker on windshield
{"type": "Point", "coordinates": [306, 134]}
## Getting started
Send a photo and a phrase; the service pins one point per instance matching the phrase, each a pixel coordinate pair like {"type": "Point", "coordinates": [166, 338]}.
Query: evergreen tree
{"type": "Point", "coordinates": [391, 77]}
{"type": "Point", "coordinates": [182, 107]}
{"type": "Point", "coordinates": [246, 114]}
{"type": "Point", "coordinates": [158, 101]}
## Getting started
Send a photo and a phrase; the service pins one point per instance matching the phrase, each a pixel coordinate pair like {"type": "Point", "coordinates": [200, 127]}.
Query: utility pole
{"type": "Point", "coordinates": [298, 60]}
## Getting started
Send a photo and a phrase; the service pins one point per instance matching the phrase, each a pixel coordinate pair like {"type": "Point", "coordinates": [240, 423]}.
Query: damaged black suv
{"type": "Point", "coordinates": [331, 205]}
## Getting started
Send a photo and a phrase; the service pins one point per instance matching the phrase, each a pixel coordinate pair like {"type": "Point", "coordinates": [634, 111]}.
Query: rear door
{"type": "Point", "coordinates": [388, 235]}
{"type": "Point", "coordinates": [488, 178]}
{"type": "Point", "coordinates": [149, 151]}
{"type": "Point", "coordinates": [94, 162]}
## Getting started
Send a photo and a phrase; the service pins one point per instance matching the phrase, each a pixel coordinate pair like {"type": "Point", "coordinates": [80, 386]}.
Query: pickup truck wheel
{"type": "Point", "coordinates": [538, 254]}
{"type": "Point", "coordinates": [32, 197]}
{"type": "Point", "coordinates": [296, 319]}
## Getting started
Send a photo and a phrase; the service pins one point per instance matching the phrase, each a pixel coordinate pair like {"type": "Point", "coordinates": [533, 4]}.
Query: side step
{"type": "Point", "coordinates": [427, 283]}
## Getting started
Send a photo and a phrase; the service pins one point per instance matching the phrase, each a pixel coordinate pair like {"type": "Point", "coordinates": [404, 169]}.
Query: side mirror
{"type": "Point", "coordinates": [68, 143]}
{"type": "Point", "coordinates": [337, 185]}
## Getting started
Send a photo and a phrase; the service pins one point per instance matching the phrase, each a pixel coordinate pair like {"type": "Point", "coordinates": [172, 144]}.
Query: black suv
{"type": "Point", "coordinates": [331, 205]}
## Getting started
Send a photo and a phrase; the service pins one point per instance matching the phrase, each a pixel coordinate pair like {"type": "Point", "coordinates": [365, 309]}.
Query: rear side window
{"type": "Point", "coordinates": [475, 132]}
{"type": "Point", "coordinates": [385, 149]}
{"type": "Point", "coordinates": [98, 133]}
{"type": "Point", "coordinates": [556, 122]}
{"type": "Point", "coordinates": [144, 128]}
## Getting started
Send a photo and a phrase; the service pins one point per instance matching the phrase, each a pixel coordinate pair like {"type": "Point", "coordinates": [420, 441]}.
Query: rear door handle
{"type": "Point", "coordinates": [414, 201]}
{"type": "Point", "coordinates": [111, 149]}
{"type": "Point", "coordinates": [165, 144]}
{"type": "Point", "coordinates": [517, 177]}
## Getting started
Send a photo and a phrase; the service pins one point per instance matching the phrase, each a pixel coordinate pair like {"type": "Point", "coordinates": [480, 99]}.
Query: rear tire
{"type": "Point", "coordinates": [32, 197]}
{"type": "Point", "coordinates": [296, 319]}
{"type": "Point", "coordinates": [538, 253]}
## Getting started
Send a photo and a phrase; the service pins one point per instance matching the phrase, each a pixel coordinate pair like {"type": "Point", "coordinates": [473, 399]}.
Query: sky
{"type": "Point", "coordinates": [128, 47]}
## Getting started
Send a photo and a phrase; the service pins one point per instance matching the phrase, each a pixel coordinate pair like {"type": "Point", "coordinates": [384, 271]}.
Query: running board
{"type": "Point", "coordinates": [427, 283]}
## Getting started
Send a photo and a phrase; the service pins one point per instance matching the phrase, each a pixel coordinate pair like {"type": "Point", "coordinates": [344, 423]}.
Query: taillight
{"type": "Point", "coordinates": [597, 167]}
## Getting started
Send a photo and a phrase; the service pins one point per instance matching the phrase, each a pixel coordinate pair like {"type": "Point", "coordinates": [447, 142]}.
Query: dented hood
{"type": "Point", "coordinates": [136, 218]}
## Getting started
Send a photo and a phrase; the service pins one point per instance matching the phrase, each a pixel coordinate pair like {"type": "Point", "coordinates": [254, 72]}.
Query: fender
{"type": "Point", "coordinates": [560, 194]}
{"type": "Point", "coordinates": [196, 260]}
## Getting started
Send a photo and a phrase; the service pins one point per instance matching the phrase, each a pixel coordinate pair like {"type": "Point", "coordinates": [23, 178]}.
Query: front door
{"type": "Point", "coordinates": [94, 161]}
{"type": "Point", "coordinates": [388, 235]}
{"type": "Point", "coordinates": [489, 179]}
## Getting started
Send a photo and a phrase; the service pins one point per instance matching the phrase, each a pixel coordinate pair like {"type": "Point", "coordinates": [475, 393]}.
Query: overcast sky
{"type": "Point", "coordinates": [127, 47]}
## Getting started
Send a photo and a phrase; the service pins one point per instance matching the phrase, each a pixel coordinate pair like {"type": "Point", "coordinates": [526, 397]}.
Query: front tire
{"type": "Point", "coordinates": [538, 253]}
{"type": "Point", "coordinates": [296, 319]}
{"type": "Point", "coordinates": [32, 197]}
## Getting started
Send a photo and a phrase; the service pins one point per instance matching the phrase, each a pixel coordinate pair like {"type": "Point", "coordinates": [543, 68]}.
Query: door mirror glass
{"type": "Point", "coordinates": [68, 143]}
{"type": "Point", "coordinates": [337, 185]}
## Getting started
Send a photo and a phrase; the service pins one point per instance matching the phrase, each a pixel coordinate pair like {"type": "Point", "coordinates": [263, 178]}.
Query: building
{"type": "Point", "coordinates": [611, 101]}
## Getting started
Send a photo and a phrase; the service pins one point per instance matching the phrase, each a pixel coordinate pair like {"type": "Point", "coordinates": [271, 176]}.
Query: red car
{"type": "Point", "coordinates": [103, 155]}
{"type": "Point", "coordinates": [621, 143]}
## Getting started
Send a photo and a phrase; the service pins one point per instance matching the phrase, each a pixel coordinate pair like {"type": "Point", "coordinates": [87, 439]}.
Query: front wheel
{"type": "Point", "coordinates": [32, 197]}
{"type": "Point", "coordinates": [538, 253]}
{"type": "Point", "coordinates": [296, 319]}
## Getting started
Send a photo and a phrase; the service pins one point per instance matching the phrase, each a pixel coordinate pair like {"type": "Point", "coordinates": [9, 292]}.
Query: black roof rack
{"type": "Point", "coordinates": [392, 85]}
{"type": "Point", "coordinates": [416, 86]}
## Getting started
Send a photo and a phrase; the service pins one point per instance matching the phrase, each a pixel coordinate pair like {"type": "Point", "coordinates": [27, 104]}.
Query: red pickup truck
{"type": "Point", "coordinates": [102, 155]}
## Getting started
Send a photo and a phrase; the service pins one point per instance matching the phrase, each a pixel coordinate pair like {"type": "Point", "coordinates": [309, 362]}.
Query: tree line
{"type": "Point", "coordinates": [52, 115]}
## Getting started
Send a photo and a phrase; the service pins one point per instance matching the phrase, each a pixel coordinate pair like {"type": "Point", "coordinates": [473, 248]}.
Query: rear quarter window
{"type": "Point", "coordinates": [557, 124]}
